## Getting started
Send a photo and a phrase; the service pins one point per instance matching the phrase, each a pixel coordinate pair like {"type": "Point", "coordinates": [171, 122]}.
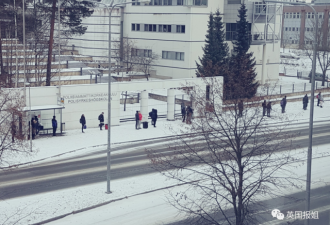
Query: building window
{"type": "Point", "coordinates": [173, 55]}
{"type": "Point", "coordinates": [311, 29]}
{"type": "Point", "coordinates": [298, 15]}
{"type": "Point", "coordinates": [293, 29]}
{"type": "Point", "coordinates": [141, 52]}
{"type": "Point", "coordinates": [138, 27]}
{"type": "Point", "coordinates": [133, 26]}
{"type": "Point", "coordinates": [292, 42]}
{"type": "Point", "coordinates": [308, 15]}
{"type": "Point", "coordinates": [290, 15]}
{"type": "Point", "coordinates": [294, 15]}
{"type": "Point", "coordinates": [307, 28]}
{"type": "Point", "coordinates": [150, 27]}
{"type": "Point", "coordinates": [179, 2]}
{"type": "Point", "coordinates": [164, 28]}
{"type": "Point", "coordinates": [167, 2]}
{"type": "Point", "coordinates": [180, 28]}
{"type": "Point", "coordinates": [286, 29]}
{"type": "Point", "coordinates": [234, 1]}
{"type": "Point", "coordinates": [297, 28]}
{"type": "Point", "coordinates": [231, 31]}
{"type": "Point", "coordinates": [157, 2]}
{"type": "Point", "coordinates": [289, 28]}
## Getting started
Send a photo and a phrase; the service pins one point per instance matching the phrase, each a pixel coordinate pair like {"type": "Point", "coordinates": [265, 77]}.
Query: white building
{"type": "Point", "coordinates": [175, 30]}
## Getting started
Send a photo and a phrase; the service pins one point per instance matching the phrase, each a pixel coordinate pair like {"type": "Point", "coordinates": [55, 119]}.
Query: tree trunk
{"type": "Point", "coordinates": [323, 78]}
{"type": "Point", "coordinates": [50, 47]}
{"type": "Point", "coordinates": [1, 60]}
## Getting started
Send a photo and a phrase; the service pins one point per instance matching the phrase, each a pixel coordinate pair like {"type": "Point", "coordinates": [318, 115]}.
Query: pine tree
{"type": "Point", "coordinates": [215, 49]}
{"type": "Point", "coordinates": [242, 63]}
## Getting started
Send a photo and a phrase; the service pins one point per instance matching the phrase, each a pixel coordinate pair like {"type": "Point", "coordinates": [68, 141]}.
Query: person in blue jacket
{"type": "Point", "coordinates": [54, 125]}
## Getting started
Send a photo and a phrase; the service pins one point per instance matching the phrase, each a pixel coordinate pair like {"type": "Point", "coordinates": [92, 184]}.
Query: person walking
{"type": "Point", "coordinates": [54, 125]}
{"type": "Point", "coordinates": [321, 101]}
{"type": "Point", "coordinates": [305, 102]}
{"type": "Point", "coordinates": [240, 108]}
{"type": "Point", "coordinates": [101, 119]}
{"type": "Point", "coordinates": [264, 108]}
{"type": "Point", "coordinates": [318, 98]}
{"type": "Point", "coordinates": [136, 120]}
{"type": "Point", "coordinates": [83, 122]}
{"type": "Point", "coordinates": [154, 117]}
{"type": "Point", "coordinates": [283, 104]}
{"type": "Point", "coordinates": [189, 114]}
{"type": "Point", "coordinates": [140, 119]}
{"type": "Point", "coordinates": [269, 107]}
{"type": "Point", "coordinates": [183, 112]}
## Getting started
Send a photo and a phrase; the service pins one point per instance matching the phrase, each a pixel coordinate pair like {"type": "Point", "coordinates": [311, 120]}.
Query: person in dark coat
{"type": "Point", "coordinates": [37, 124]}
{"type": "Point", "coordinates": [264, 108]}
{"type": "Point", "coordinates": [13, 131]}
{"type": "Point", "coordinates": [154, 117]}
{"type": "Point", "coordinates": [305, 102]}
{"type": "Point", "coordinates": [183, 112]}
{"type": "Point", "coordinates": [189, 114]}
{"type": "Point", "coordinates": [137, 120]}
{"type": "Point", "coordinates": [83, 122]}
{"type": "Point", "coordinates": [34, 124]}
{"type": "Point", "coordinates": [318, 98]}
{"type": "Point", "coordinates": [283, 104]}
{"type": "Point", "coordinates": [269, 107]}
{"type": "Point", "coordinates": [54, 125]}
{"type": "Point", "coordinates": [240, 108]}
{"type": "Point", "coordinates": [101, 119]}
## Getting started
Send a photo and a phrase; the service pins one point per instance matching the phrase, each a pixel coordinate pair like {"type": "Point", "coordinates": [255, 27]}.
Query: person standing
{"type": "Point", "coordinates": [305, 102]}
{"type": "Point", "coordinates": [83, 122]}
{"type": "Point", "coordinates": [283, 104]}
{"type": "Point", "coordinates": [101, 119]}
{"type": "Point", "coordinates": [33, 124]}
{"type": "Point", "coordinates": [269, 107]}
{"type": "Point", "coordinates": [264, 108]}
{"type": "Point", "coordinates": [321, 101]}
{"type": "Point", "coordinates": [240, 108]}
{"type": "Point", "coordinates": [189, 114]}
{"type": "Point", "coordinates": [183, 112]}
{"type": "Point", "coordinates": [318, 98]}
{"type": "Point", "coordinates": [54, 125]}
{"type": "Point", "coordinates": [136, 120]}
{"type": "Point", "coordinates": [140, 119]}
{"type": "Point", "coordinates": [37, 124]}
{"type": "Point", "coordinates": [13, 131]}
{"type": "Point", "coordinates": [154, 117]}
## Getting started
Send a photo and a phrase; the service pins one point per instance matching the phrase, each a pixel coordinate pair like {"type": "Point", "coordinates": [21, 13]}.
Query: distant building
{"type": "Point", "coordinates": [175, 30]}
{"type": "Point", "coordinates": [298, 24]}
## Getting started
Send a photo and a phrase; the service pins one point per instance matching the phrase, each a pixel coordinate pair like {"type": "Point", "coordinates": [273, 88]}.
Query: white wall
{"type": "Point", "coordinates": [91, 99]}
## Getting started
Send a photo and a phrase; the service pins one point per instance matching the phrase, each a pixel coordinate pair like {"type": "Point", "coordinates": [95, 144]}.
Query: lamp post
{"type": "Point", "coordinates": [309, 154]}
{"type": "Point", "coordinates": [110, 8]}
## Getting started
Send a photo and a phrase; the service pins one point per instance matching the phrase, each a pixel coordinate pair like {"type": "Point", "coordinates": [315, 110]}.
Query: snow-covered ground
{"type": "Point", "coordinates": [148, 208]}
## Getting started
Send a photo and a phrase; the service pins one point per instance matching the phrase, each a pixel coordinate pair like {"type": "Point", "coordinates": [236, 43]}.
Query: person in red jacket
{"type": "Point", "coordinates": [140, 119]}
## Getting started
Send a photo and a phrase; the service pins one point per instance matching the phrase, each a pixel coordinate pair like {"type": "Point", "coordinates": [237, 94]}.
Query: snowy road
{"type": "Point", "coordinates": [127, 161]}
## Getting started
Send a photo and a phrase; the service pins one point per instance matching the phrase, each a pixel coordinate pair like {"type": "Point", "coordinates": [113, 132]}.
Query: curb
{"type": "Point", "coordinates": [106, 203]}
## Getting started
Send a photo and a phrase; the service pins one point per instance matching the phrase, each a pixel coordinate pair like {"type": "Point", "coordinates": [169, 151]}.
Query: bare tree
{"type": "Point", "coordinates": [229, 162]}
{"type": "Point", "coordinates": [124, 54]}
{"type": "Point", "coordinates": [12, 126]}
{"type": "Point", "coordinates": [145, 59]}
{"type": "Point", "coordinates": [323, 45]}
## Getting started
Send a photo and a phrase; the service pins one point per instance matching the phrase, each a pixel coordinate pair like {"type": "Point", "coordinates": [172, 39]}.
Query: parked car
{"type": "Point", "coordinates": [289, 56]}
{"type": "Point", "coordinates": [319, 76]}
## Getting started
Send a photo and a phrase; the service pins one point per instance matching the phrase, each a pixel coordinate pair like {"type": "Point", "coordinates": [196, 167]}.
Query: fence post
{"type": "Point", "coordinates": [292, 88]}
{"type": "Point", "coordinates": [280, 89]}
{"type": "Point", "coordinates": [138, 98]}
{"type": "Point", "coordinates": [81, 71]}
{"type": "Point", "coordinates": [67, 64]}
{"type": "Point", "coordinates": [304, 86]}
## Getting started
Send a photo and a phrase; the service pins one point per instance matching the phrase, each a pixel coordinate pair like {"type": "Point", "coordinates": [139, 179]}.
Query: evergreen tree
{"type": "Point", "coordinates": [215, 49]}
{"type": "Point", "coordinates": [242, 63]}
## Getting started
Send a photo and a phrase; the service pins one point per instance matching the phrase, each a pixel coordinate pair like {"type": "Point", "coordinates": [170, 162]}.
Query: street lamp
{"type": "Point", "coordinates": [110, 8]}
{"type": "Point", "coordinates": [309, 154]}
{"type": "Point", "coordinates": [28, 84]}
